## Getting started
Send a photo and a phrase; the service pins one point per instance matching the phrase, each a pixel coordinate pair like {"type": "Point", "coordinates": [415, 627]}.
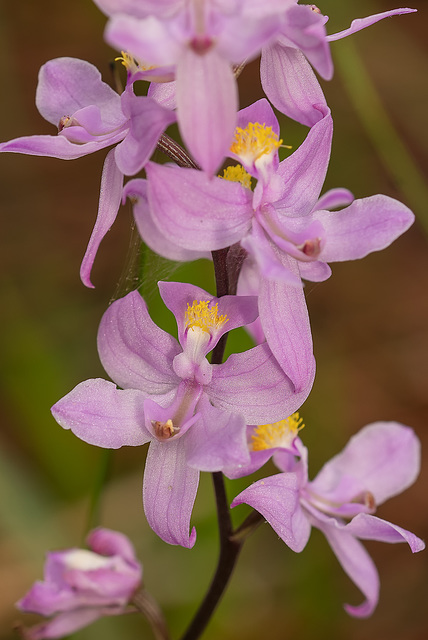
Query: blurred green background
{"type": "Point", "coordinates": [370, 325]}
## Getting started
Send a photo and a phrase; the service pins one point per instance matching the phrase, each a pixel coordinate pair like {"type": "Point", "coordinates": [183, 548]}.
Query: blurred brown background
{"type": "Point", "coordinates": [370, 324]}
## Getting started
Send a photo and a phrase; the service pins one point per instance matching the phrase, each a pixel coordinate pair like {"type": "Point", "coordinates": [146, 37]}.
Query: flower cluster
{"type": "Point", "coordinates": [267, 226]}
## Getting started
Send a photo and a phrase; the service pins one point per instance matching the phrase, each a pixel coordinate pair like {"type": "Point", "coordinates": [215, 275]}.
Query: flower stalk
{"type": "Point", "coordinates": [148, 606]}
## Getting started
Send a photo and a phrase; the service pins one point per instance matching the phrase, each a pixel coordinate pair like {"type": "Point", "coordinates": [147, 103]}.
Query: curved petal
{"type": "Point", "coordinates": [100, 414]}
{"type": "Point", "coordinates": [134, 351]}
{"type": "Point", "coordinates": [368, 527]}
{"type": "Point", "coordinates": [193, 211]}
{"type": "Point", "coordinates": [362, 23]}
{"type": "Point", "coordinates": [217, 441]}
{"type": "Point", "coordinates": [169, 492]}
{"type": "Point", "coordinates": [136, 190]}
{"type": "Point", "coordinates": [108, 206]}
{"type": "Point", "coordinates": [69, 84]}
{"type": "Point", "coordinates": [314, 271]}
{"type": "Point", "coordinates": [277, 499]}
{"type": "Point", "coordinates": [303, 172]}
{"type": "Point", "coordinates": [207, 102]}
{"type": "Point", "coordinates": [57, 146]}
{"type": "Point", "coordinates": [290, 84]}
{"type": "Point", "coordinates": [335, 199]}
{"type": "Point", "coordinates": [384, 457]}
{"type": "Point", "coordinates": [306, 30]}
{"type": "Point", "coordinates": [367, 225]}
{"type": "Point", "coordinates": [359, 566]}
{"type": "Point", "coordinates": [285, 322]}
{"type": "Point", "coordinates": [253, 383]}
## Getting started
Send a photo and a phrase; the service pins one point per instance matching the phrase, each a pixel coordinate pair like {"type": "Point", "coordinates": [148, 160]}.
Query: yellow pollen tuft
{"type": "Point", "coordinates": [237, 174]}
{"type": "Point", "coordinates": [131, 64]}
{"type": "Point", "coordinates": [255, 141]}
{"type": "Point", "coordinates": [201, 315]}
{"type": "Point", "coordinates": [277, 434]}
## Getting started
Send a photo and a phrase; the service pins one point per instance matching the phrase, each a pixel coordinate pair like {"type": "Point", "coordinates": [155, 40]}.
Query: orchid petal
{"type": "Point", "coordinates": [314, 271]}
{"type": "Point", "coordinates": [253, 383]}
{"type": "Point", "coordinates": [249, 284]}
{"type": "Point", "coordinates": [89, 120]}
{"type": "Point", "coordinates": [285, 322]}
{"type": "Point", "coordinates": [148, 39]}
{"type": "Point", "coordinates": [107, 542]}
{"type": "Point", "coordinates": [64, 624]}
{"type": "Point", "coordinates": [277, 499]}
{"type": "Point", "coordinates": [108, 207]}
{"type": "Point", "coordinates": [362, 23]}
{"type": "Point", "coordinates": [384, 457]}
{"type": "Point", "coordinates": [303, 172]}
{"type": "Point", "coordinates": [116, 585]}
{"type": "Point", "coordinates": [134, 351]}
{"type": "Point", "coordinates": [334, 199]}
{"type": "Point", "coordinates": [136, 190]}
{"type": "Point", "coordinates": [290, 84]}
{"type": "Point", "coordinates": [47, 597]}
{"type": "Point", "coordinates": [148, 120]}
{"type": "Point", "coordinates": [217, 441]}
{"type": "Point", "coordinates": [255, 31]}
{"type": "Point", "coordinates": [164, 93]}
{"type": "Point", "coordinates": [169, 492]}
{"type": "Point", "coordinates": [57, 146]}
{"type": "Point", "coordinates": [263, 252]}
{"type": "Point", "coordinates": [207, 102]}
{"type": "Point", "coordinates": [259, 111]}
{"type": "Point", "coordinates": [359, 566]}
{"type": "Point", "coordinates": [194, 211]}
{"type": "Point", "coordinates": [257, 460]}
{"type": "Point", "coordinates": [367, 225]}
{"type": "Point", "coordinates": [69, 84]}
{"type": "Point", "coordinates": [306, 30]}
{"type": "Point", "coordinates": [100, 414]}
{"type": "Point", "coordinates": [368, 527]}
